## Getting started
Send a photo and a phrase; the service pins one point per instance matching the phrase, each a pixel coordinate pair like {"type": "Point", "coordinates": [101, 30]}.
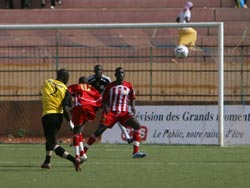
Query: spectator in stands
{"type": "Point", "coordinates": [187, 36]}
{"type": "Point", "coordinates": [9, 4]}
{"type": "Point", "coordinates": [42, 3]}
{"type": "Point", "coordinates": [53, 3]}
{"type": "Point", "coordinates": [240, 3]}
{"type": "Point", "coordinates": [27, 4]}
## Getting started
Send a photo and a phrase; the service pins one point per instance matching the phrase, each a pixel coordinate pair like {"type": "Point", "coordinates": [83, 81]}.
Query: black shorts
{"type": "Point", "coordinates": [51, 124]}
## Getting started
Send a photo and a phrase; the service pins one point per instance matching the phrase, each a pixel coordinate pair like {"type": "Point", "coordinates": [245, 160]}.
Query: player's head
{"type": "Point", "coordinates": [189, 5]}
{"type": "Point", "coordinates": [82, 80]}
{"type": "Point", "coordinates": [119, 74]}
{"type": "Point", "coordinates": [98, 70]}
{"type": "Point", "coordinates": [63, 76]}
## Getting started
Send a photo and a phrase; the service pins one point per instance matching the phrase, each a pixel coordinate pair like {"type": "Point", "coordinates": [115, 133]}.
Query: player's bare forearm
{"type": "Point", "coordinates": [132, 105]}
{"type": "Point", "coordinates": [66, 112]}
{"type": "Point", "coordinates": [105, 107]}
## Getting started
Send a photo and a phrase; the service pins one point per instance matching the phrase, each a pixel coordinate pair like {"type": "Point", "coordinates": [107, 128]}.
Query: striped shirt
{"type": "Point", "coordinates": [118, 96]}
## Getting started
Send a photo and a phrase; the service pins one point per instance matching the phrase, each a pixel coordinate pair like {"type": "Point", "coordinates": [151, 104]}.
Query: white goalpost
{"type": "Point", "coordinates": [220, 57]}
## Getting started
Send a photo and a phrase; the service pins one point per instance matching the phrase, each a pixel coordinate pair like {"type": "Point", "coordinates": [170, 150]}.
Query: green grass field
{"type": "Point", "coordinates": [111, 166]}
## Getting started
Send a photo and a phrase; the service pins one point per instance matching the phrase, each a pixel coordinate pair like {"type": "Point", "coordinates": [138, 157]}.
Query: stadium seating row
{"type": "Point", "coordinates": [128, 4]}
{"type": "Point", "coordinates": [129, 11]}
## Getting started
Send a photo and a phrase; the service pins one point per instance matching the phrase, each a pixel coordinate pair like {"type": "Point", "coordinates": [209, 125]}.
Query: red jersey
{"type": "Point", "coordinates": [85, 94]}
{"type": "Point", "coordinates": [118, 95]}
{"type": "Point", "coordinates": [86, 99]}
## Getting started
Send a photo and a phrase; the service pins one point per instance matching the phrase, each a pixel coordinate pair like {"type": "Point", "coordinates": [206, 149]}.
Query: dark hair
{"type": "Point", "coordinates": [82, 80]}
{"type": "Point", "coordinates": [97, 67]}
{"type": "Point", "coordinates": [63, 75]}
{"type": "Point", "coordinates": [118, 69]}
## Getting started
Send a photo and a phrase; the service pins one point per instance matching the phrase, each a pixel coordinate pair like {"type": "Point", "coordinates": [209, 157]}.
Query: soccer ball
{"type": "Point", "coordinates": [181, 51]}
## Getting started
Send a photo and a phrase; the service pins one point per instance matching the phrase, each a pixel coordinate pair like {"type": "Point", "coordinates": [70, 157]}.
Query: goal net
{"type": "Point", "coordinates": [186, 98]}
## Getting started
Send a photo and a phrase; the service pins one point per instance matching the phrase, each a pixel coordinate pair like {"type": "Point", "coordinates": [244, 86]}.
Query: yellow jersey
{"type": "Point", "coordinates": [53, 93]}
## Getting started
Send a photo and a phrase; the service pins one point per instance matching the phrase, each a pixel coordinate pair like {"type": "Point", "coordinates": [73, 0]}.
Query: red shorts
{"type": "Point", "coordinates": [82, 114]}
{"type": "Point", "coordinates": [112, 117]}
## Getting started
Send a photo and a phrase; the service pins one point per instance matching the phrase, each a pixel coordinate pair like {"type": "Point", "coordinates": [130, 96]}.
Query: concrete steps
{"type": "Point", "coordinates": [126, 4]}
{"type": "Point", "coordinates": [236, 21]}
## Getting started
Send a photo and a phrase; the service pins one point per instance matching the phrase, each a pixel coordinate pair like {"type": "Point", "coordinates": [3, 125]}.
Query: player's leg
{"type": "Point", "coordinates": [83, 156]}
{"type": "Point", "coordinates": [244, 4]}
{"type": "Point", "coordinates": [76, 141]}
{"type": "Point", "coordinates": [49, 150]}
{"type": "Point", "coordinates": [78, 144]}
{"type": "Point", "coordinates": [106, 121]}
{"type": "Point", "coordinates": [59, 2]}
{"type": "Point", "coordinates": [52, 124]}
{"type": "Point", "coordinates": [187, 37]}
{"type": "Point", "coordinates": [125, 132]}
{"type": "Point", "coordinates": [59, 150]}
{"type": "Point", "coordinates": [78, 118]}
{"type": "Point", "coordinates": [192, 37]}
{"type": "Point", "coordinates": [52, 4]}
{"type": "Point", "coordinates": [132, 122]}
{"type": "Point", "coordinates": [87, 113]}
{"type": "Point", "coordinates": [92, 139]}
{"type": "Point", "coordinates": [50, 130]}
{"type": "Point", "coordinates": [42, 3]}
{"type": "Point", "coordinates": [182, 37]}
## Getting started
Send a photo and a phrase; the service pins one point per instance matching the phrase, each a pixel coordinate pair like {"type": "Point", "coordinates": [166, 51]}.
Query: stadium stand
{"type": "Point", "coordinates": [129, 11]}
{"type": "Point", "coordinates": [128, 4]}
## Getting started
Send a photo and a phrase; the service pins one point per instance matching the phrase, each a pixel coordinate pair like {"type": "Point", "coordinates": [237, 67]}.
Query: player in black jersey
{"type": "Point", "coordinates": [98, 80]}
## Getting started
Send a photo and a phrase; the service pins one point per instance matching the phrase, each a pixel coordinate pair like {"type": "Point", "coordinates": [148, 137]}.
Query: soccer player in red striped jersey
{"type": "Point", "coordinates": [117, 97]}
{"type": "Point", "coordinates": [99, 81]}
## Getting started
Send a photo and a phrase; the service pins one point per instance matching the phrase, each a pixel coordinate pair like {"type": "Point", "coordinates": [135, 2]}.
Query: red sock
{"type": "Point", "coordinates": [137, 139]}
{"type": "Point", "coordinates": [90, 141]}
{"type": "Point", "coordinates": [81, 144]}
{"type": "Point", "coordinates": [76, 145]}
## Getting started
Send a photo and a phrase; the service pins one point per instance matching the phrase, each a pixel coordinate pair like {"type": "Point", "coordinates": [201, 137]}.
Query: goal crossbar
{"type": "Point", "coordinates": [108, 26]}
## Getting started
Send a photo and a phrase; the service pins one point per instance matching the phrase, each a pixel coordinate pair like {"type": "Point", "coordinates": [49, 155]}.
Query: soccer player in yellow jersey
{"type": "Point", "coordinates": [56, 103]}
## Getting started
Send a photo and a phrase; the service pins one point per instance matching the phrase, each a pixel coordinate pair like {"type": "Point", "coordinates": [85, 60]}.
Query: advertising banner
{"type": "Point", "coordinates": [187, 125]}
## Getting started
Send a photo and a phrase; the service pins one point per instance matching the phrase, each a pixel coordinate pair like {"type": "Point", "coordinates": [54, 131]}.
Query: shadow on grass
{"type": "Point", "coordinates": [15, 167]}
